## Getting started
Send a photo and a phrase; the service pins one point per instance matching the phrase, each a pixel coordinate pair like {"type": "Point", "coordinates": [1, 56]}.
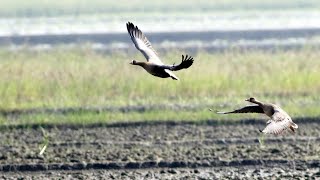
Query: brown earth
{"type": "Point", "coordinates": [160, 150]}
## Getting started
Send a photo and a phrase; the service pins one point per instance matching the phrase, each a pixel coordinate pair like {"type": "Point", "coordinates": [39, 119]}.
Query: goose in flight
{"type": "Point", "coordinates": [154, 65]}
{"type": "Point", "coordinates": [280, 121]}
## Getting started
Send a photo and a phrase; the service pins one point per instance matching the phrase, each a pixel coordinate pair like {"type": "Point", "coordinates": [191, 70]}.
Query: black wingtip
{"type": "Point", "coordinates": [132, 28]}
{"type": "Point", "coordinates": [216, 111]}
{"type": "Point", "coordinates": [187, 58]}
{"type": "Point", "coordinates": [219, 112]}
{"type": "Point", "coordinates": [187, 61]}
{"type": "Point", "coordinates": [129, 24]}
{"type": "Point", "coordinates": [260, 130]}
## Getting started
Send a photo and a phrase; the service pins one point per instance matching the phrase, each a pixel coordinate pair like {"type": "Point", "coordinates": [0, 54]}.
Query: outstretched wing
{"type": "Point", "coordinates": [186, 62]}
{"type": "Point", "coordinates": [280, 122]}
{"type": "Point", "coordinates": [246, 109]}
{"type": "Point", "coordinates": [142, 44]}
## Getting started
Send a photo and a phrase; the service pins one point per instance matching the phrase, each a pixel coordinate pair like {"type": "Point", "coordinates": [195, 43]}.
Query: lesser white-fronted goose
{"type": "Point", "coordinates": [279, 122]}
{"type": "Point", "coordinates": [154, 65]}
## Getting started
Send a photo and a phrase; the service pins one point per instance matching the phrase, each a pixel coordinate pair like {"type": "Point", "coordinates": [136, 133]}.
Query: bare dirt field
{"type": "Point", "coordinates": [166, 150]}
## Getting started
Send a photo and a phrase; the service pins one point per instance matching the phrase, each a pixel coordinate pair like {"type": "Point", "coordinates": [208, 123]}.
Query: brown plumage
{"type": "Point", "coordinates": [154, 65]}
{"type": "Point", "coordinates": [279, 122]}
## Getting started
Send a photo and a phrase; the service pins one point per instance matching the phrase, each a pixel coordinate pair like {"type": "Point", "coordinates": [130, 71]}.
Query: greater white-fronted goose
{"type": "Point", "coordinates": [154, 65]}
{"type": "Point", "coordinates": [280, 121]}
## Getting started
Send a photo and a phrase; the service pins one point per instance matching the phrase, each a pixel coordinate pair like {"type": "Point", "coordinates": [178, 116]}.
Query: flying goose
{"type": "Point", "coordinates": [279, 122]}
{"type": "Point", "coordinates": [154, 65]}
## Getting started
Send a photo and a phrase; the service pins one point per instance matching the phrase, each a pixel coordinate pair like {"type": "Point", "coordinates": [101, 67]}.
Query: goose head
{"type": "Point", "coordinates": [252, 99]}
{"type": "Point", "coordinates": [133, 62]}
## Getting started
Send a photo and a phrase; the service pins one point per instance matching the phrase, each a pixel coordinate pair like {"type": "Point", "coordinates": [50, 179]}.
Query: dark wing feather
{"type": "Point", "coordinates": [186, 62]}
{"type": "Point", "coordinates": [246, 109]}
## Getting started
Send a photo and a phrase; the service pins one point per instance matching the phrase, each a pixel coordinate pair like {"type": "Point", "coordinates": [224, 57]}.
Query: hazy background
{"type": "Point", "coordinates": [193, 25]}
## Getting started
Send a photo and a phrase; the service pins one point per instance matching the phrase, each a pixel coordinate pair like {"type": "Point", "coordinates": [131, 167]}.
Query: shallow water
{"type": "Point", "coordinates": [213, 31]}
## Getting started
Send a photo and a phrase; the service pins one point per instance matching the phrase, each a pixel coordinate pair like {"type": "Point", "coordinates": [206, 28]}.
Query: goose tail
{"type": "Point", "coordinates": [293, 127]}
{"type": "Point", "coordinates": [175, 78]}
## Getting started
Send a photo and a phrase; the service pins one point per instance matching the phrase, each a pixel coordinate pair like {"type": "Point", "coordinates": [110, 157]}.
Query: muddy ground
{"type": "Point", "coordinates": [159, 150]}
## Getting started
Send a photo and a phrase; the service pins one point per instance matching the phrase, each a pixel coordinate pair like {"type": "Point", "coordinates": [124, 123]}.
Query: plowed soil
{"type": "Point", "coordinates": [162, 150]}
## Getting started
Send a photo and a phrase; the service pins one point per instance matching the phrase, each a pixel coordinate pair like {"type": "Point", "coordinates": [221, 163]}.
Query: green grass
{"type": "Point", "coordinates": [83, 78]}
{"type": "Point", "coordinates": [18, 8]}
{"type": "Point", "coordinates": [87, 118]}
